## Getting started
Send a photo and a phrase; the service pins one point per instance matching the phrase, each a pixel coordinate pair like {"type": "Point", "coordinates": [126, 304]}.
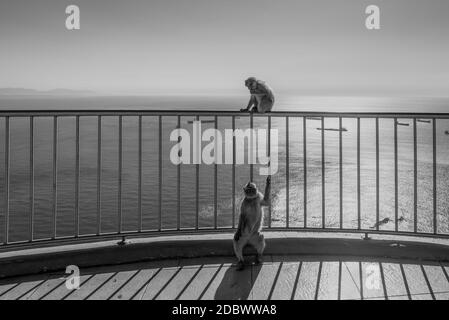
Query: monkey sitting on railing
{"type": "Point", "coordinates": [251, 221]}
{"type": "Point", "coordinates": [262, 97]}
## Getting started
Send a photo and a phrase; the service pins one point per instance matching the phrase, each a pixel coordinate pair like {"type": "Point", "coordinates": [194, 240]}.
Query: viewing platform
{"type": "Point", "coordinates": [202, 267]}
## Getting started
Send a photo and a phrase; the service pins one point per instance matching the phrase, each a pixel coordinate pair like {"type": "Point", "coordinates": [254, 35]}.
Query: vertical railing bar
{"type": "Point", "coordinates": [31, 178]}
{"type": "Point", "coordinates": [269, 155]}
{"type": "Point", "coordinates": [396, 178]}
{"type": "Point", "coordinates": [139, 175]}
{"type": "Point", "coordinates": [55, 173]}
{"type": "Point", "coordinates": [7, 151]}
{"type": "Point", "coordinates": [415, 179]}
{"type": "Point", "coordinates": [178, 185]}
{"type": "Point", "coordinates": [160, 174]}
{"type": "Point", "coordinates": [233, 172]}
{"type": "Point", "coordinates": [340, 154]}
{"type": "Point", "coordinates": [197, 189]}
{"type": "Point", "coordinates": [377, 175]}
{"type": "Point", "coordinates": [434, 160]}
{"type": "Point", "coordinates": [359, 212]}
{"type": "Point", "coordinates": [287, 173]}
{"type": "Point", "coordinates": [251, 150]}
{"type": "Point", "coordinates": [99, 175]}
{"type": "Point", "coordinates": [304, 120]}
{"type": "Point", "coordinates": [77, 173]}
{"type": "Point", "coordinates": [216, 177]}
{"type": "Point", "coordinates": [323, 178]}
{"type": "Point", "coordinates": [120, 165]}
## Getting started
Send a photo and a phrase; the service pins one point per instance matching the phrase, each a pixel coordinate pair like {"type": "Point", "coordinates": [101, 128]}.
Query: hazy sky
{"type": "Point", "coordinates": [211, 46]}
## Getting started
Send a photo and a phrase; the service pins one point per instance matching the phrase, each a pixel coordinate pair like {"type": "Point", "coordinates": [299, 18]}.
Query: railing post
{"type": "Point", "coordinates": [270, 208]}
{"type": "Point", "coordinates": [160, 173]}
{"type": "Point", "coordinates": [178, 185]}
{"type": "Point", "coordinates": [304, 119]}
{"type": "Point", "coordinates": [396, 178]}
{"type": "Point", "coordinates": [120, 160]}
{"type": "Point", "coordinates": [77, 174]}
{"type": "Point", "coordinates": [323, 178]}
{"type": "Point", "coordinates": [139, 174]}
{"type": "Point", "coordinates": [250, 149]}
{"type": "Point", "coordinates": [287, 173]}
{"type": "Point", "coordinates": [359, 212]}
{"type": "Point", "coordinates": [197, 191]}
{"type": "Point", "coordinates": [434, 160]}
{"type": "Point", "coordinates": [55, 174]}
{"type": "Point", "coordinates": [99, 175]}
{"type": "Point", "coordinates": [415, 179]}
{"type": "Point", "coordinates": [216, 176]}
{"type": "Point", "coordinates": [377, 175]}
{"type": "Point", "coordinates": [340, 163]}
{"type": "Point", "coordinates": [7, 151]}
{"type": "Point", "coordinates": [31, 235]}
{"type": "Point", "coordinates": [233, 172]}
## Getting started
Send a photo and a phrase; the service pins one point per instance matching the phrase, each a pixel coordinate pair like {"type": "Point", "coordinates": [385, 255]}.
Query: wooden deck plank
{"type": "Point", "coordinates": [44, 289]}
{"type": "Point", "coordinates": [61, 291]}
{"type": "Point", "coordinates": [176, 287]}
{"type": "Point", "coordinates": [115, 283]}
{"type": "Point", "coordinates": [350, 281]}
{"type": "Point", "coordinates": [5, 287]}
{"type": "Point", "coordinates": [201, 282]}
{"type": "Point", "coordinates": [128, 291]}
{"type": "Point", "coordinates": [438, 282]}
{"type": "Point", "coordinates": [394, 282]}
{"type": "Point", "coordinates": [90, 286]}
{"type": "Point", "coordinates": [328, 287]}
{"type": "Point", "coordinates": [307, 281]}
{"type": "Point", "coordinates": [150, 290]}
{"type": "Point", "coordinates": [24, 288]}
{"type": "Point", "coordinates": [263, 277]}
{"type": "Point", "coordinates": [284, 285]}
{"type": "Point", "coordinates": [230, 284]}
{"type": "Point", "coordinates": [372, 281]}
{"type": "Point", "coordinates": [419, 289]}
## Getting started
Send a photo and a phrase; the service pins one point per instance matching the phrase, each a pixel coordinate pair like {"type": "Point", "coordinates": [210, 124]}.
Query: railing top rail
{"type": "Point", "coordinates": [134, 112]}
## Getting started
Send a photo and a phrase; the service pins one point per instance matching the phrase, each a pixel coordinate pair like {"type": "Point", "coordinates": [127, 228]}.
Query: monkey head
{"type": "Point", "coordinates": [251, 83]}
{"type": "Point", "coordinates": [250, 190]}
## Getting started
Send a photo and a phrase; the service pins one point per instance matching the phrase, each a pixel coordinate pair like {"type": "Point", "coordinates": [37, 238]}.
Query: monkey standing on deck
{"type": "Point", "coordinates": [251, 221]}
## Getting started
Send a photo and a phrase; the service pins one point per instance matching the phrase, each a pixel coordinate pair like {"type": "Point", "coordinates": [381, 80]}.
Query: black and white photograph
{"type": "Point", "coordinates": [243, 151]}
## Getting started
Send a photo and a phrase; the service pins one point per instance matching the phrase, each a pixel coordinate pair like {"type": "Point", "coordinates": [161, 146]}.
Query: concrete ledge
{"type": "Point", "coordinates": [37, 261]}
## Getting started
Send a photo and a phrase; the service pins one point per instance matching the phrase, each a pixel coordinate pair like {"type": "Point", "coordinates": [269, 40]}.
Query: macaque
{"type": "Point", "coordinates": [262, 98]}
{"type": "Point", "coordinates": [251, 221]}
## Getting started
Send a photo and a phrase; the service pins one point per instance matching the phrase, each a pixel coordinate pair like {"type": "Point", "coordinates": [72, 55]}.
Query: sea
{"type": "Point", "coordinates": [287, 202]}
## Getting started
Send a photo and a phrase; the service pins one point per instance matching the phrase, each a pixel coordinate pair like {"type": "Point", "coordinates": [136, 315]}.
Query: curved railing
{"type": "Point", "coordinates": [386, 174]}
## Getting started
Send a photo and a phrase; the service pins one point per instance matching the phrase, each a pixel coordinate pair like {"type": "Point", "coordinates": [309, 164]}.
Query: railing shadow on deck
{"type": "Point", "coordinates": [278, 278]}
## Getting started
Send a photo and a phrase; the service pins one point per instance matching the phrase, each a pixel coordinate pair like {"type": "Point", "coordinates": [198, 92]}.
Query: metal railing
{"type": "Point", "coordinates": [6, 116]}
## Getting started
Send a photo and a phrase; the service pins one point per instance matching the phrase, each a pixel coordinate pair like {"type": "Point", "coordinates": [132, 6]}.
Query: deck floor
{"type": "Point", "coordinates": [279, 277]}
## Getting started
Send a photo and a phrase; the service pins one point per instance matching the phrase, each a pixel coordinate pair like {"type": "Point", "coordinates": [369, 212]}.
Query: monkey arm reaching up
{"type": "Point", "coordinates": [266, 201]}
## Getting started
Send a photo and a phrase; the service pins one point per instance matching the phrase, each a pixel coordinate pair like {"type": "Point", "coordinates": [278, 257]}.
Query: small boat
{"type": "Point", "coordinates": [333, 129]}
{"type": "Point", "coordinates": [424, 121]}
{"type": "Point", "coordinates": [313, 118]}
{"type": "Point", "coordinates": [202, 121]}
{"type": "Point", "coordinates": [402, 124]}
